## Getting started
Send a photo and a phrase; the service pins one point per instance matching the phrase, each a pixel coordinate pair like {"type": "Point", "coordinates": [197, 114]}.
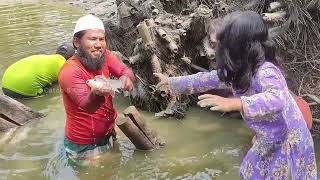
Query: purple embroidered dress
{"type": "Point", "coordinates": [283, 146]}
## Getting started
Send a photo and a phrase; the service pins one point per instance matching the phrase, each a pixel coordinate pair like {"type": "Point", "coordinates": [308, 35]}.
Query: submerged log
{"type": "Point", "coordinates": [14, 113]}
{"type": "Point", "coordinates": [137, 130]}
{"type": "Point", "coordinates": [135, 135]}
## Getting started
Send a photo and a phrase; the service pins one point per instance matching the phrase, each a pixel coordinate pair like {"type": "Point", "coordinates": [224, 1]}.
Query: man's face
{"type": "Point", "coordinates": [91, 49]}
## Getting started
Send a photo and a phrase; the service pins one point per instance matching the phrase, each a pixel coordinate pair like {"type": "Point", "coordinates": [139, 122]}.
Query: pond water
{"type": "Point", "coordinates": [204, 145]}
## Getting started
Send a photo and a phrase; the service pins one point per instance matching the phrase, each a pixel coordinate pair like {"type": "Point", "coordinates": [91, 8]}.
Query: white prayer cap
{"type": "Point", "coordinates": [88, 22]}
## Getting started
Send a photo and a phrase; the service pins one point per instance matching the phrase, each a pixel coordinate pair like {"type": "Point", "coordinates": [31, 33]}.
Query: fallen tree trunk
{"type": "Point", "coordinates": [138, 131]}
{"type": "Point", "coordinates": [5, 124]}
{"type": "Point", "coordinates": [14, 113]}
{"type": "Point", "coordinates": [139, 140]}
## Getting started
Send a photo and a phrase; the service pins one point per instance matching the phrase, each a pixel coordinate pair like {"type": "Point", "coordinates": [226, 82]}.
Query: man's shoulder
{"type": "Point", "coordinates": [70, 67]}
{"type": "Point", "coordinates": [110, 56]}
{"type": "Point", "coordinates": [73, 63]}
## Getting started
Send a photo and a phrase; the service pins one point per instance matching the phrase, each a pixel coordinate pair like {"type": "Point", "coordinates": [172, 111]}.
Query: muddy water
{"type": "Point", "coordinates": [204, 145]}
{"type": "Point", "coordinates": [28, 29]}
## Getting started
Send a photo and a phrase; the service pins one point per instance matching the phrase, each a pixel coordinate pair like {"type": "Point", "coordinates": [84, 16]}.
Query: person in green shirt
{"type": "Point", "coordinates": [29, 76]}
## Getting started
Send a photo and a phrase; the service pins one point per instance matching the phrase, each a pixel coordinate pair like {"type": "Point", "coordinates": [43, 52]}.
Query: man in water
{"type": "Point", "coordinates": [29, 76]}
{"type": "Point", "coordinates": [90, 122]}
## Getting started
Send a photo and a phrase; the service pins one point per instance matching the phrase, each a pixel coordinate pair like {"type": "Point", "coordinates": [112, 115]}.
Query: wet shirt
{"type": "Point", "coordinates": [89, 117]}
{"type": "Point", "coordinates": [30, 75]}
{"type": "Point", "coordinates": [283, 143]}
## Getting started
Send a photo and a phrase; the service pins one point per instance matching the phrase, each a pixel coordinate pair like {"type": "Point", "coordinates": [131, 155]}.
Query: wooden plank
{"type": "Point", "coordinates": [17, 112]}
{"type": "Point", "coordinates": [5, 125]}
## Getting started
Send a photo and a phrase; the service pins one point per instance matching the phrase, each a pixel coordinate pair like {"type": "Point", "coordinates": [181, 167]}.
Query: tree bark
{"type": "Point", "coordinates": [14, 113]}
{"type": "Point", "coordinates": [135, 135]}
{"type": "Point", "coordinates": [137, 130]}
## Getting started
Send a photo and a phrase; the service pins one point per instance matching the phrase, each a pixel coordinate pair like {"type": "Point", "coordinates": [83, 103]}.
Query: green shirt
{"type": "Point", "coordinates": [30, 75]}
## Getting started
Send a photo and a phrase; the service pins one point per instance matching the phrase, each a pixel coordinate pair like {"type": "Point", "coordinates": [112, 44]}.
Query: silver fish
{"type": "Point", "coordinates": [101, 81]}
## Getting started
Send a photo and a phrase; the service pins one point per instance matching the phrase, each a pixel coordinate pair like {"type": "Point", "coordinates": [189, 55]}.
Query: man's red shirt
{"type": "Point", "coordinates": [89, 117]}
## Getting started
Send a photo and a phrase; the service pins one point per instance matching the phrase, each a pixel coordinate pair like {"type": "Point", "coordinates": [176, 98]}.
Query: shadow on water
{"type": "Point", "coordinates": [204, 145]}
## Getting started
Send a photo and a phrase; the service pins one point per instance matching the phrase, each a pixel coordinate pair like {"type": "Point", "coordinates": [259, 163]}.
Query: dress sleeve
{"type": "Point", "coordinates": [196, 83]}
{"type": "Point", "coordinates": [117, 68]}
{"type": "Point", "coordinates": [74, 85]}
{"type": "Point", "coordinates": [271, 99]}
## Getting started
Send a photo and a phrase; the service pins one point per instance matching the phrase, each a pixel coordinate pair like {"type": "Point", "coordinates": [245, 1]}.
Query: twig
{"type": "Point", "coordinates": [301, 83]}
{"type": "Point", "coordinates": [313, 97]}
{"type": "Point", "coordinates": [316, 120]}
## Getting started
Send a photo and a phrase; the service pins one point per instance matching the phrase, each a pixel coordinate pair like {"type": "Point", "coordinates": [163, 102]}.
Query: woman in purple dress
{"type": "Point", "coordinates": [283, 148]}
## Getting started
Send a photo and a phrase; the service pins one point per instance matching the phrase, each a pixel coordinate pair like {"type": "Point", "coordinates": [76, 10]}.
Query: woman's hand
{"type": "Point", "coordinates": [163, 80]}
{"type": "Point", "coordinates": [127, 84]}
{"type": "Point", "coordinates": [218, 103]}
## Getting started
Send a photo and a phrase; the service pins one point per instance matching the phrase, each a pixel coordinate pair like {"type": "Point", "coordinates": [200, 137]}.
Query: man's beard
{"type": "Point", "coordinates": [89, 62]}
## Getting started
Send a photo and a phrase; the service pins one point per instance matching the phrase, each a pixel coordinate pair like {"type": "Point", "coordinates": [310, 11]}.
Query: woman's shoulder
{"type": "Point", "coordinates": [268, 71]}
{"type": "Point", "coordinates": [267, 65]}
{"type": "Point", "coordinates": [267, 68]}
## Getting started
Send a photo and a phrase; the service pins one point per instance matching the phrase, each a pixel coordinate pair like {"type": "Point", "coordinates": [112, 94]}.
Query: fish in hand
{"type": "Point", "coordinates": [101, 81]}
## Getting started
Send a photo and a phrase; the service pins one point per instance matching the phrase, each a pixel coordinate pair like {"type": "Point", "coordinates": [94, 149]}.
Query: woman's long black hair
{"type": "Point", "coordinates": [243, 46]}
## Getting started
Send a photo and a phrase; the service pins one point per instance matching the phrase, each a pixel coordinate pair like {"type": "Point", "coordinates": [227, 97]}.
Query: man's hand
{"type": "Point", "coordinates": [127, 84]}
{"type": "Point", "coordinates": [218, 103]}
{"type": "Point", "coordinates": [163, 80]}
